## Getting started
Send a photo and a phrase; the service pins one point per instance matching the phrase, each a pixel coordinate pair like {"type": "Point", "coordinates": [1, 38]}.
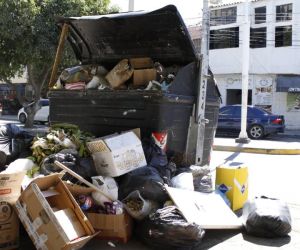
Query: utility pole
{"type": "Point", "coordinates": [130, 5]}
{"type": "Point", "coordinates": [243, 137]}
{"type": "Point", "coordinates": [195, 140]}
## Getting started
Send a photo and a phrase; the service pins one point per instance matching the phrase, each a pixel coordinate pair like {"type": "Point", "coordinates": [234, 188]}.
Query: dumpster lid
{"type": "Point", "coordinates": [160, 34]}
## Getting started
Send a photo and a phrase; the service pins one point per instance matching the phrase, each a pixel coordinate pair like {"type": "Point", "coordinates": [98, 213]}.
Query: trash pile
{"type": "Point", "coordinates": [76, 187]}
{"type": "Point", "coordinates": [134, 73]}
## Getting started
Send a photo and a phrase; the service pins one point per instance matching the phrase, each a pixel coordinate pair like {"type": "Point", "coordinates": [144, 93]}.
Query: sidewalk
{"type": "Point", "coordinates": [291, 147]}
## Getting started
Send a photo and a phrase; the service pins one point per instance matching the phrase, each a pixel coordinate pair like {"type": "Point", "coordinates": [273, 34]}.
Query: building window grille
{"type": "Point", "coordinates": [258, 38]}
{"type": "Point", "coordinates": [283, 36]}
{"type": "Point", "coordinates": [260, 14]}
{"type": "Point", "coordinates": [284, 12]}
{"type": "Point", "coordinates": [224, 38]}
{"type": "Point", "coordinates": [223, 16]}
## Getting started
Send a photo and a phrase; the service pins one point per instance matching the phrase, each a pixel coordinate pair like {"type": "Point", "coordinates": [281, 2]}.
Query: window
{"type": "Point", "coordinates": [223, 16]}
{"type": "Point", "coordinates": [226, 111]}
{"type": "Point", "coordinates": [258, 38]}
{"type": "Point", "coordinates": [284, 12]}
{"type": "Point", "coordinates": [283, 36]}
{"type": "Point", "coordinates": [260, 15]}
{"type": "Point", "coordinates": [224, 38]}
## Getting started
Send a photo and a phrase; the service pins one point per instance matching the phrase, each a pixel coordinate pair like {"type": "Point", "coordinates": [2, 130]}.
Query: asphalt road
{"type": "Point", "coordinates": [288, 136]}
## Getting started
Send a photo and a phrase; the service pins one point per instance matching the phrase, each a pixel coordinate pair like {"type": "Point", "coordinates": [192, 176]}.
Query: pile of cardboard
{"type": "Point", "coordinates": [129, 73]}
{"type": "Point", "coordinates": [51, 212]}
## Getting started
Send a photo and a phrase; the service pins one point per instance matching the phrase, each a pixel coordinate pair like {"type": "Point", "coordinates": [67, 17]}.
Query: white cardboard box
{"type": "Point", "coordinates": [117, 154]}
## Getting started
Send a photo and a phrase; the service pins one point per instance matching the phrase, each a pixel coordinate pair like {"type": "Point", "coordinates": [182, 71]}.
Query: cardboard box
{"type": "Point", "coordinates": [38, 208]}
{"type": "Point", "coordinates": [143, 76]}
{"type": "Point", "coordinates": [67, 219]}
{"type": "Point", "coordinates": [141, 63]}
{"type": "Point", "coordinates": [112, 227]}
{"type": "Point", "coordinates": [232, 180]}
{"type": "Point", "coordinates": [143, 70]}
{"type": "Point", "coordinates": [117, 154]}
{"type": "Point", "coordinates": [10, 190]}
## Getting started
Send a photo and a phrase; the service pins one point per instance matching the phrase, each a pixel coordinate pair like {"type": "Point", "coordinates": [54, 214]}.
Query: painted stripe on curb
{"type": "Point", "coordinates": [257, 150]}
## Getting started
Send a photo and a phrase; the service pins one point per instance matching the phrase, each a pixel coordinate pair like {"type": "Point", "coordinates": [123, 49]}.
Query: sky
{"type": "Point", "coordinates": [190, 10]}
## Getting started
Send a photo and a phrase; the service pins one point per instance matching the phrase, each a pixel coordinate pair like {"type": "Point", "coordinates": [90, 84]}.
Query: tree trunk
{"type": "Point", "coordinates": [37, 79]}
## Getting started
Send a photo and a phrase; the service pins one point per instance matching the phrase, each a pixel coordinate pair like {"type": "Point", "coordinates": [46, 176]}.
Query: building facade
{"type": "Point", "coordinates": [274, 72]}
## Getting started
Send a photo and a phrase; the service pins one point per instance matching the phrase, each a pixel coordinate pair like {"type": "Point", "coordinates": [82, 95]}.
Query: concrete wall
{"type": "Point", "coordinates": [265, 63]}
{"type": "Point", "coordinates": [292, 118]}
{"type": "Point", "coordinates": [269, 60]}
{"type": "Point", "coordinates": [278, 99]}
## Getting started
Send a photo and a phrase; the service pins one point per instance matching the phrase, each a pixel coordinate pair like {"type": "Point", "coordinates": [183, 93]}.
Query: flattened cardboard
{"type": "Point", "coordinates": [123, 153]}
{"type": "Point", "coordinates": [10, 189]}
{"type": "Point", "coordinates": [207, 210]}
{"type": "Point", "coordinates": [36, 212]}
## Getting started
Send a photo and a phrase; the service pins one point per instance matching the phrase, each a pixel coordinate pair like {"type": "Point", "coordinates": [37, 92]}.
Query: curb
{"type": "Point", "coordinates": [270, 151]}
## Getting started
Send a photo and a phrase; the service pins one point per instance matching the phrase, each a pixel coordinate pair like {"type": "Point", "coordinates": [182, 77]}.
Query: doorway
{"type": "Point", "coordinates": [234, 96]}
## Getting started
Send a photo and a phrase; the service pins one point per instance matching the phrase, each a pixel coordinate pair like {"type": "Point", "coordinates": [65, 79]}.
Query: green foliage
{"type": "Point", "coordinates": [29, 36]}
{"type": "Point", "coordinates": [16, 29]}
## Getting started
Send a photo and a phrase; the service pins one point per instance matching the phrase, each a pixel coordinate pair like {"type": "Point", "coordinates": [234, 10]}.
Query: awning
{"type": "Point", "coordinates": [288, 84]}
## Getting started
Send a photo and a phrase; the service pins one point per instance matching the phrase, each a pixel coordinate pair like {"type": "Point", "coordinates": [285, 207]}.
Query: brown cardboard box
{"type": "Point", "coordinates": [141, 63]}
{"type": "Point", "coordinates": [144, 70]}
{"type": "Point", "coordinates": [111, 226]}
{"type": "Point", "coordinates": [10, 189]}
{"type": "Point", "coordinates": [117, 227]}
{"type": "Point", "coordinates": [143, 76]}
{"type": "Point", "coordinates": [119, 74]}
{"type": "Point", "coordinates": [37, 209]}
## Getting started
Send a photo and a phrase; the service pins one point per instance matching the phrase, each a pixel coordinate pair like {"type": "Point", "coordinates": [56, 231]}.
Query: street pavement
{"type": "Point", "coordinates": [288, 146]}
{"type": "Point", "coordinates": [272, 175]}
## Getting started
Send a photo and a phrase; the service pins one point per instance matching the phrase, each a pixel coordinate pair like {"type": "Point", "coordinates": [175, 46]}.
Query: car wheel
{"type": "Point", "coordinates": [256, 132]}
{"type": "Point", "coordinates": [22, 118]}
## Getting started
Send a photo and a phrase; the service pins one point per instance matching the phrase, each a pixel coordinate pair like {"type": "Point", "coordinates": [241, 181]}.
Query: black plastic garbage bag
{"type": "Point", "coordinates": [266, 217]}
{"type": "Point", "coordinates": [147, 180]}
{"type": "Point", "coordinates": [167, 229]}
{"type": "Point", "coordinates": [49, 167]}
{"type": "Point", "coordinates": [83, 166]}
{"type": "Point", "coordinates": [154, 155]}
{"type": "Point", "coordinates": [14, 143]}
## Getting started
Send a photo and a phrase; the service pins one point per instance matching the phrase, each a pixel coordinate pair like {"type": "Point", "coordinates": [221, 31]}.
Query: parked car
{"type": "Point", "coordinates": [42, 115]}
{"type": "Point", "coordinates": [260, 123]}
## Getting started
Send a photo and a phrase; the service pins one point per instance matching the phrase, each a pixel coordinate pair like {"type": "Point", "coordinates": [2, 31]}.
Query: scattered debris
{"type": "Point", "coordinates": [111, 244]}
{"type": "Point", "coordinates": [267, 217]}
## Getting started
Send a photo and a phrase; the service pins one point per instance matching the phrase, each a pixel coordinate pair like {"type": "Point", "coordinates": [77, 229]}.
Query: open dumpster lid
{"type": "Point", "coordinates": [160, 34]}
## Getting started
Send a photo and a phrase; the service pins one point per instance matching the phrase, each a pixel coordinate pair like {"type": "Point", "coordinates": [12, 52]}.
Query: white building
{"type": "Point", "coordinates": [274, 73]}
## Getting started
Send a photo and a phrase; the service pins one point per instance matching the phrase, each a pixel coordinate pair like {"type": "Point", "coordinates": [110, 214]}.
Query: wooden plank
{"type": "Point", "coordinates": [208, 210]}
{"type": "Point", "coordinates": [81, 179]}
{"type": "Point", "coordinates": [58, 55]}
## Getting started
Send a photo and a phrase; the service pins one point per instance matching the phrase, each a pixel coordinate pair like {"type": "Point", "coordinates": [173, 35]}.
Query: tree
{"type": "Point", "coordinates": [29, 38]}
